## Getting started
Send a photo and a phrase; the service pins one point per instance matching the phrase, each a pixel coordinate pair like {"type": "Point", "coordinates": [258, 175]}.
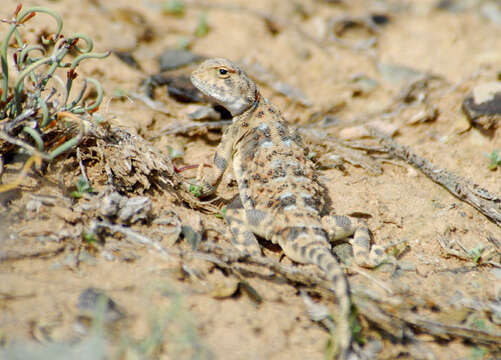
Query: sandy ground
{"type": "Point", "coordinates": [459, 46]}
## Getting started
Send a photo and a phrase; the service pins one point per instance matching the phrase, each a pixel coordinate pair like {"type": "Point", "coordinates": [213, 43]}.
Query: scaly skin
{"type": "Point", "coordinates": [281, 197]}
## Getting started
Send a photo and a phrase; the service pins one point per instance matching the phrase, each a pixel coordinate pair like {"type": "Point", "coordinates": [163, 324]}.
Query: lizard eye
{"type": "Point", "coordinates": [223, 73]}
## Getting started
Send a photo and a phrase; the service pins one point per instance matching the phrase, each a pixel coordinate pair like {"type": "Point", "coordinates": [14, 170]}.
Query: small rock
{"type": "Point", "coordinates": [380, 19]}
{"type": "Point", "coordinates": [172, 59]}
{"type": "Point", "coordinates": [135, 209]}
{"type": "Point", "coordinates": [193, 237]}
{"type": "Point", "coordinates": [224, 288]}
{"type": "Point", "coordinates": [486, 92]}
{"type": "Point", "coordinates": [483, 106]}
{"type": "Point", "coordinates": [110, 204]}
{"type": "Point", "coordinates": [127, 58]}
{"type": "Point", "coordinates": [426, 115]}
{"type": "Point", "coordinates": [93, 300]}
{"type": "Point", "coordinates": [362, 85]}
{"type": "Point", "coordinates": [127, 210]}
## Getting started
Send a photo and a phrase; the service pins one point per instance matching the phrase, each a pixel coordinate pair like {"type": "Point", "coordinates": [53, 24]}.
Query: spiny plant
{"type": "Point", "coordinates": [34, 99]}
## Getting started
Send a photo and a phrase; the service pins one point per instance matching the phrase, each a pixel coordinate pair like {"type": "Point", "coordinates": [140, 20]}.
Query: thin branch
{"type": "Point", "coordinates": [487, 203]}
{"type": "Point", "coordinates": [184, 129]}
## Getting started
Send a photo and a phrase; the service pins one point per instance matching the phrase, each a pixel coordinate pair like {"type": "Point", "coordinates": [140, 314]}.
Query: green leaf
{"type": "Point", "coordinates": [476, 253]}
{"type": "Point", "coordinates": [174, 7]}
{"type": "Point", "coordinates": [202, 25]}
{"type": "Point", "coordinates": [88, 237]}
{"type": "Point", "coordinates": [195, 190]}
{"type": "Point", "coordinates": [222, 214]}
{"type": "Point", "coordinates": [76, 194]}
{"type": "Point", "coordinates": [495, 159]}
{"type": "Point", "coordinates": [82, 187]}
{"type": "Point", "coordinates": [356, 327]}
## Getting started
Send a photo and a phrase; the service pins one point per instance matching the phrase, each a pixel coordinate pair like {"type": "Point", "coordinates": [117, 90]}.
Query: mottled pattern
{"type": "Point", "coordinates": [281, 196]}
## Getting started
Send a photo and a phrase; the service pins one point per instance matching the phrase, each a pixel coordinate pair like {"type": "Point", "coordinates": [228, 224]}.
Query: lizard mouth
{"type": "Point", "coordinates": [203, 88]}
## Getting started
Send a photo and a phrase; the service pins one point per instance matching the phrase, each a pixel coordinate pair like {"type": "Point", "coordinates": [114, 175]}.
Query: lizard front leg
{"type": "Point", "coordinates": [208, 182]}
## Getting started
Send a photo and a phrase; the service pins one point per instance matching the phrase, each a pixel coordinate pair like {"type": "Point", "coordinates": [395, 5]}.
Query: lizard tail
{"type": "Point", "coordinates": [328, 263]}
{"type": "Point", "coordinates": [313, 250]}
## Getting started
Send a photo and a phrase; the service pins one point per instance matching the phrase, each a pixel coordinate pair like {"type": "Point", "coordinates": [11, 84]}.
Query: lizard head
{"type": "Point", "coordinates": [227, 84]}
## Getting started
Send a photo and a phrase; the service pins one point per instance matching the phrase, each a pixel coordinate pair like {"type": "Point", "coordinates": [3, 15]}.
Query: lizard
{"type": "Point", "coordinates": [281, 197]}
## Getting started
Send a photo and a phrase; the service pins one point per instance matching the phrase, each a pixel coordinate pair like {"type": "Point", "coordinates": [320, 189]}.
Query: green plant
{"type": "Point", "coordinates": [89, 237]}
{"type": "Point", "coordinates": [356, 326]}
{"type": "Point", "coordinates": [195, 190]}
{"type": "Point", "coordinates": [476, 253]}
{"type": "Point", "coordinates": [83, 186]}
{"type": "Point", "coordinates": [222, 214]}
{"type": "Point", "coordinates": [174, 7]}
{"type": "Point", "coordinates": [202, 28]}
{"type": "Point", "coordinates": [495, 159]}
{"type": "Point", "coordinates": [34, 99]}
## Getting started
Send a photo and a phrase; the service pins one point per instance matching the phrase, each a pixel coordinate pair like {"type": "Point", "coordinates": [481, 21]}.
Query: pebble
{"type": "Point", "coordinates": [172, 59]}
{"type": "Point", "coordinates": [91, 300]}
{"type": "Point", "coordinates": [361, 85]}
{"type": "Point", "coordinates": [483, 106]}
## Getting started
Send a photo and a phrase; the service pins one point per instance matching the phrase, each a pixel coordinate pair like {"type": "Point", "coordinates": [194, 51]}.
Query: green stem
{"type": "Point", "coordinates": [5, 64]}
{"type": "Point", "coordinates": [45, 112]}
{"type": "Point", "coordinates": [13, 28]}
{"type": "Point", "coordinates": [79, 58]}
{"type": "Point", "coordinates": [18, 85]}
{"type": "Point", "coordinates": [23, 55]}
{"type": "Point", "coordinates": [99, 97]}
{"type": "Point", "coordinates": [35, 135]}
{"type": "Point", "coordinates": [78, 97]}
{"type": "Point", "coordinates": [45, 10]}
{"type": "Point", "coordinates": [68, 144]}
{"type": "Point", "coordinates": [88, 40]}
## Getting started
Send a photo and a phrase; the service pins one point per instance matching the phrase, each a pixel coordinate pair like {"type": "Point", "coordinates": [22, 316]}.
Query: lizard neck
{"type": "Point", "coordinates": [248, 112]}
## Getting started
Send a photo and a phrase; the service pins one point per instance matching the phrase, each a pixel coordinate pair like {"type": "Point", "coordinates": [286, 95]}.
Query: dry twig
{"type": "Point", "coordinates": [389, 313]}
{"type": "Point", "coordinates": [487, 203]}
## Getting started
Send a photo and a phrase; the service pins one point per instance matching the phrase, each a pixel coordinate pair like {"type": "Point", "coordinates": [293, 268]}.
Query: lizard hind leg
{"type": "Point", "coordinates": [340, 227]}
{"type": "Point", "coordinates": [243, 239]}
